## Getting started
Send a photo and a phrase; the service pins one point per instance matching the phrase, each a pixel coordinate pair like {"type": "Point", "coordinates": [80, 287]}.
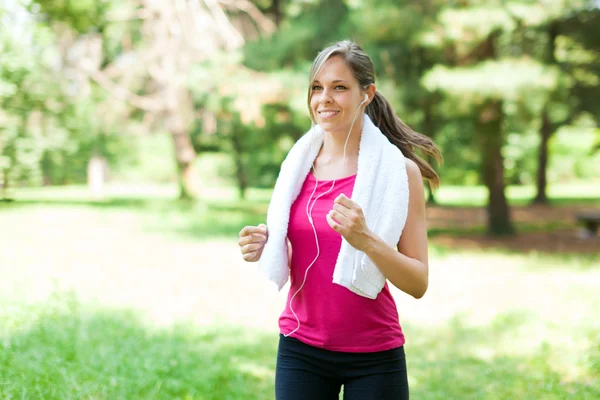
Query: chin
{"type": "Point", "coordinates": [329, 125]}
{"type": "Point", "coordinates": [334, 128]}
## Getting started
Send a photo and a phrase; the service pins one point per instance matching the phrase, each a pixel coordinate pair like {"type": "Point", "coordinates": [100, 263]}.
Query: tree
{"type": "Point", "coordinates": [29, 90]}
{"type": "Point", "coordinates": [395, 35]}
{"type": "Point", "coordinates": [151, 73]}
{"type": "Point", "coordinates": [566, 30]}
{"type": "Point", "coordinates": [487, 76]}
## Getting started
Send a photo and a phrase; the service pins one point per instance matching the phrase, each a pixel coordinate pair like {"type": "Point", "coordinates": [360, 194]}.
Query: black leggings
{"type": "Point", "coordinates": [306, 372]}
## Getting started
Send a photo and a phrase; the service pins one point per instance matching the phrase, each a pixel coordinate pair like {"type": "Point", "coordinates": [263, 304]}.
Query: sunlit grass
{"type": "Point", "coordinates": [119, 299]}
{"type": "Point", "coordinates": [63, 350]}
{"type": "Point", "coordinates": [564, 193]}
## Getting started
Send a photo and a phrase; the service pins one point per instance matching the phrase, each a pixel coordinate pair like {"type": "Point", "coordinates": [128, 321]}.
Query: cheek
{"type": "Point", "coordinates": [314, 102]}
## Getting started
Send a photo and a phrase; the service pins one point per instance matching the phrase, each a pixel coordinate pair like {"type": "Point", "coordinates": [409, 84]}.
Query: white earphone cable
{"type": "Point", "coordinates": [309, 209]}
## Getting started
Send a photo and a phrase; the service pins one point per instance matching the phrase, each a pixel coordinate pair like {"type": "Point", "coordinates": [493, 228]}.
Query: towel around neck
{"type": "Point", "coordinates": [380, 189]}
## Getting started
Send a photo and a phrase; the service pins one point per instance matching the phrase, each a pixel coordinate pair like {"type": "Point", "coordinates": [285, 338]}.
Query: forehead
{"type": "Point", "coordinates": [335, 68]}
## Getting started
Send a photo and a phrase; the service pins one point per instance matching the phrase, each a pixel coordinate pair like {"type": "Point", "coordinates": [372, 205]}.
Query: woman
{"type": "Point", "coordinates": [349, 206]}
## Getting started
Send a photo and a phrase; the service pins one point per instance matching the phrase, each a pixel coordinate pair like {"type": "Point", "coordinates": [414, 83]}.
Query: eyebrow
{"type": "Point", "coordinates": [335, 81]}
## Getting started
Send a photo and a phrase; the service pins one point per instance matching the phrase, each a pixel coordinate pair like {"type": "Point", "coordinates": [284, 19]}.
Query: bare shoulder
{"type": "Point", "coordinates": [414, 173]}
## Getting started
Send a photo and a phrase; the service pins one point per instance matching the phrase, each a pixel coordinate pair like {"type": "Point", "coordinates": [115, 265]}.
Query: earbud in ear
{"type": "Point", "coordinates": [365, 99]}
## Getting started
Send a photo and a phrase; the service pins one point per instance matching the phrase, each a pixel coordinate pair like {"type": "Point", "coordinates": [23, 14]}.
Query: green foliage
{"type": "Point", "coordinates": [28, 90]}
{"type": "Point", "coordinates": [462, 160]}
{"type": "Point", "coordinates": [426, 59]}
{"type": "Point", "coordinates": [49, 130]}
{"type": "Point", "coordinates": [81, 15]}
{"type": "Point", "coordinates": [510, 79]}
{"type": "Point", "coordinates": [257, 150]}
{"type": "Point", "coordinates": [520, 157]}
{"type": "Point", "coordinates": [573, 155]}
{"type": "Point", "coordinates": [300, 37]}
{"type": "Point", "coordinates": [143, 158]}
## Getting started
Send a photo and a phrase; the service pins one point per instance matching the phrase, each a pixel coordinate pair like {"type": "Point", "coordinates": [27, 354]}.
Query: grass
{"type": "Point", "coordinates": [139, 297]}
{"type": "Point", "coordinates": [559, 194]}
{"type": "Point", "coordinates": [221, 213]}
{"type": "Point", "coordinates": [62, 350]}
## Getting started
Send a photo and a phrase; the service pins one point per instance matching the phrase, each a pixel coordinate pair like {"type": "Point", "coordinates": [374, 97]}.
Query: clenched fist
{"type": "Point", "coordinates": [252, 242]}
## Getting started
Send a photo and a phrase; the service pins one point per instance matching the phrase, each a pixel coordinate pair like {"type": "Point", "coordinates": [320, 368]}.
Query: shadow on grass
{"type": "Point", "coordinates": [554, 239]}
{"type": "Point", "coordinates": [192, 219]}
{"type": "Point", "coordinates": [215, 219]}
{"type": "Point", "coordinates": [67, 352]}
{"type": "Point", "coordinates": [112, 355]}
{"type": "Point", "coordinates": [122, 203]}
{"type": "Point", "coordinates": [205, 220]}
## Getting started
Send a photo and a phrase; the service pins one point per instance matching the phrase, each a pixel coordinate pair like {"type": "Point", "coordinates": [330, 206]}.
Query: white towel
{"type": "Point", "coordinates": [380, 189]}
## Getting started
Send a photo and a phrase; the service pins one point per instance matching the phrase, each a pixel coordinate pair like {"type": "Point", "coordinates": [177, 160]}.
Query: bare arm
{"type": "Point", "coordinates": [407, 266]}
{"type": "Point", "coordinates": [289, 247]}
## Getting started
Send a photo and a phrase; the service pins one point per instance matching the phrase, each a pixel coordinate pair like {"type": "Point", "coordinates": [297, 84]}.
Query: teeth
{"type": "Point", "coordinates": [327, 113]}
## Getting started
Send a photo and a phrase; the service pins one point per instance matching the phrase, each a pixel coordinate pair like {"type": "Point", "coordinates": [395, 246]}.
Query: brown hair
{"type": "Point", "coordinates": [380, 110]}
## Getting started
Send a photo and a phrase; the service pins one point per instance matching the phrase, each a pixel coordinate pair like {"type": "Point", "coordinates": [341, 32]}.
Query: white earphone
{"type": "Point", "coordinates": [309, 209]}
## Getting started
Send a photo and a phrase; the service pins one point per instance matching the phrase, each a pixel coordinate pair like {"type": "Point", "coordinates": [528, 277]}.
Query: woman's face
{"type": "Point", "coordinates": [336, 96]}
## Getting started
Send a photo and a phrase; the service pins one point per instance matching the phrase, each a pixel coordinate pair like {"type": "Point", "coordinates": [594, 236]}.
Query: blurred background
{"type": "Point", "coordinates": [137, 137]}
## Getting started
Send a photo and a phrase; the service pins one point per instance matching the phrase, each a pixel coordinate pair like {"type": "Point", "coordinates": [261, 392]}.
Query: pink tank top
{"type": "Point", "coordinates": [331, 316]}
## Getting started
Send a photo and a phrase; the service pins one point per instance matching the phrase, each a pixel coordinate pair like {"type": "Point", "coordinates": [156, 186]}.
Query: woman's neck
{"type": "Point", "coordinates": [331, 162]}
{"type": "Point", "coordinates": [336, 145]}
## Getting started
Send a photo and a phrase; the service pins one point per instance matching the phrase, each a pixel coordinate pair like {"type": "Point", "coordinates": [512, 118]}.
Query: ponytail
{"type": "Point", "coordinates": [402, 136]}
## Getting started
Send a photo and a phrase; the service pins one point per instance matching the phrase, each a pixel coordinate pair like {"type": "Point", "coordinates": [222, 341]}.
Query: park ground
{"type": "Point", "coordinates": [130, 297]}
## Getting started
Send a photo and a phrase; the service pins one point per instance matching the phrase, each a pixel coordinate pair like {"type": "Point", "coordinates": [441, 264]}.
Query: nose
{"type": "Point", "coordinates": [325, 97]}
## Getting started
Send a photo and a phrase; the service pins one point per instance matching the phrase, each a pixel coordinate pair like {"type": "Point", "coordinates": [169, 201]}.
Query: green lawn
{"type": "Point", "coordinates": [140, 297]}
{"type": "Point", "coordinates": [559, 194]}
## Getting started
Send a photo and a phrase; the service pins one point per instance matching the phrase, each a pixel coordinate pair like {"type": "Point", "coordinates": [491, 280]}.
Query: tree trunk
{"type": "Point", "coordinates": [3, 177]}
{"type": "Point", "coordinates": [276, 8]}
{"type": "Point", "coordinates": [489, 125]}
{"type": "Point", "coordinates": [241, 178]}
{"type": "Point", "coordinates": [185, 155]}
{"type": "Point", "coordinates": [429, 130]}
{"type": "Point", "coordinates": [547, 128]}
{"type": "Point", "coordinates": [546, 131]}
{"type": "Point", "coordinates": [4, 183]}
{"type": "Point", "coordinates": [179, 109]}
{"type": "Point", "coordinates": [431, 201]}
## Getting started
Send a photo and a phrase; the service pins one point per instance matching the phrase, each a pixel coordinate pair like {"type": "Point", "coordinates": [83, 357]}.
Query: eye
{"type": "Point", "coordinates": [341, 87]}
{"type": "Point", "coordinates": [316, 87]}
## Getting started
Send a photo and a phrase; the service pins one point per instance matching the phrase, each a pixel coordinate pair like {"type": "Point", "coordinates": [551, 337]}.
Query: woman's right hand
{"type": "Point", "coordinates": [252, 241]}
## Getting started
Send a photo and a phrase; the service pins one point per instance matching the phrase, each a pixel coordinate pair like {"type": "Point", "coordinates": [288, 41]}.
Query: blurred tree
{"type": "Point", "coordinates": [393, 34]}
{"type": "Point", "coordinates": [511, 70]}
{"type": "Point", "coordinates": [252, 116]}
{"type": "Point", "coordinates": [62, 114]}
{"type": "Point", "coordinates": [29, 91]}
{"type": "Point", "coordinates": [308, 28]}
{"type": "Point", "coordinates": [565, 43]}
{"type": "Point", "coordinates": [151, 73]}
{"type": "Point", "coordinates": [486, 77]}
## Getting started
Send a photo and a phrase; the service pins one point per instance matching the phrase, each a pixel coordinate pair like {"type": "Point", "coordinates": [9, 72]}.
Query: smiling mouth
{"type": "Point", "coordinates": [328, 113]}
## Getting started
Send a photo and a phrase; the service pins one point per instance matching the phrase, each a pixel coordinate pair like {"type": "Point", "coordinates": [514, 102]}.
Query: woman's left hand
{"type": "Point", "coordinates": [347, 218]}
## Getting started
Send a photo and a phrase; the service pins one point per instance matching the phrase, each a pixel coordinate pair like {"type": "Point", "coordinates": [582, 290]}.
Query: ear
{"type": "Point", "coordinates": [370, 93]}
